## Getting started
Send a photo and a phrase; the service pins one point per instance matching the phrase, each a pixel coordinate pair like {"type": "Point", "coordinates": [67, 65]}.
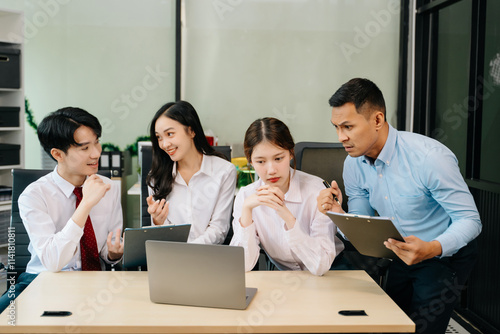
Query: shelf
{"type": "Point", "coordinates": [10, 129]}
{"type": "Point", "coordinates": [10, 167]}
{"type": "Point", "coordinates": [8, 90]}
{"type": "Point", "coordinates": [12, 38]}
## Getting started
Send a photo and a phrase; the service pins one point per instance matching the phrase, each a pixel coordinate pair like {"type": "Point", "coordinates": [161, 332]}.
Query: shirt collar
{"type": "Point", "coordinates": [66, 187]}
{"type": "Point", "coordinates": [206, 167]}
{"type": "Point", "coordinates": [385, 156]}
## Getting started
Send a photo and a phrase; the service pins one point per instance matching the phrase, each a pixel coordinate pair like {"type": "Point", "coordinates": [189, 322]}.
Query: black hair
{"type": "Point", "coordinates": [57, 129]}
{"type": "Point", "coordinates": [362, 93]}
{"type": "Point", "coordinates": [160, 177]}
{"type": "Point", "coordinates": [268, 129]}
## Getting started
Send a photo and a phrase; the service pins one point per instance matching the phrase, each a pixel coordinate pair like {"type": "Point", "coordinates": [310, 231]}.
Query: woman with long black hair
{"type": "Point", "coordinates": [190, 183]}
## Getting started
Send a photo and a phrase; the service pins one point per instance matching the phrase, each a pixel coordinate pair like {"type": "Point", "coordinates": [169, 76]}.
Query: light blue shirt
{"type": "Point", "coordinates": [416, 182]}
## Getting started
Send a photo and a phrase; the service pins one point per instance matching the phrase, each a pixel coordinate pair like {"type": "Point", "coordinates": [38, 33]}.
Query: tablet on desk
{"type": "Point", "coordinates": [134, 248]}
{"type": "Point", "coordinates": [367, 233]}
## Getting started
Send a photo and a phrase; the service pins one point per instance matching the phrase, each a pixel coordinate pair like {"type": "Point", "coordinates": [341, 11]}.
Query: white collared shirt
{"type": "Point", "coordinates": [46, 207]}
{"type": "Point", "coordinates": [311, 244]}
{"type": "Point", "coordinates": [205, 202]}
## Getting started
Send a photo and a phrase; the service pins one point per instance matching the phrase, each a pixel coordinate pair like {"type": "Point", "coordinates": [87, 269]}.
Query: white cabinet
{"type": "Point", "coordinates": [11, 38]}
{"type": "Point", "coordinates": [11, 42]}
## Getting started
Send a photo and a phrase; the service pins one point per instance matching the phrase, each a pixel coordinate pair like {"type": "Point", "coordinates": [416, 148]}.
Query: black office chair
{"type": "Point", "coordinates": [146, 158]}
{"type": "Point", "coordinates": [21, 179]}
{"type": "Point", "coordinates": [326, 160]}
{"type": "Point", "coordinates": [225, 150]}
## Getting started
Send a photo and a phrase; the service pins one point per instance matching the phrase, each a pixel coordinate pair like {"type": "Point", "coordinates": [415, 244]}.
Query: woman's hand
{"type": "Point", "coordinates": [271, 197]}
{"type": "Point", "coordinates": [158, 210]}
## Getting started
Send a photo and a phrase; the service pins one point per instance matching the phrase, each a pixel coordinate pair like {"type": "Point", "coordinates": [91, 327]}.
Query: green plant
{"type": "Point", "coordinates": [29, 115]}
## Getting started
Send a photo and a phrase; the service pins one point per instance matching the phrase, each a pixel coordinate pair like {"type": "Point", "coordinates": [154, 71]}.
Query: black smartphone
{"type": "Point", "coordinates": [56, 313]}
{"type": "Point", "coordinates": [352, 312]}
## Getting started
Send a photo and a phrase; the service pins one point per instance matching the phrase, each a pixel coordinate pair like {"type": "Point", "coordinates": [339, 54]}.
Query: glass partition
{"type": "Point", "coordinates": [243, 60]}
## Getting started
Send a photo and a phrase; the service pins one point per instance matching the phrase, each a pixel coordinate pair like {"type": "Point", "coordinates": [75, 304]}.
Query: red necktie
{"type": "Point", "coordinates": [88, 243]}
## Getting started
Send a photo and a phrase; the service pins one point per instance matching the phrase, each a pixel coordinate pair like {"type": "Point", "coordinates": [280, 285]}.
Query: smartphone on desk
{"type": "Point", "coordinates": [56, 313]}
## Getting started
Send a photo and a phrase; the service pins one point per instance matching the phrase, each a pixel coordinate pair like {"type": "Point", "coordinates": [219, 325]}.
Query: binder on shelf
{"type": "Point", "coordinates": [104, 162]}
{"type": "Point", "coordinates": [112, 162]}
{"type": "Point", "coordinates": [116, 164]}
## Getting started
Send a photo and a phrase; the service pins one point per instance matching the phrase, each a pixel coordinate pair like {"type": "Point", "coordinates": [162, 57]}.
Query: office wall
{"type": "Point", "coordinates": [114, 58]}
{"type": "Point", "coordinates": [248, 59]}
{"type": "Point", "coordinates": [241, 60]}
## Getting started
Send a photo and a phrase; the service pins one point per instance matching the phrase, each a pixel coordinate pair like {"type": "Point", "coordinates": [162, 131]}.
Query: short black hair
{"type": "Point", "coordinates": [360, 92]}
{"type": "Point", "coordinates": [57, 129]}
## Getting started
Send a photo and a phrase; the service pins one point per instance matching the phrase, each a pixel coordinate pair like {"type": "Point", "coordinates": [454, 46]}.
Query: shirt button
{"type": "Point", "coordinates": [380, 175]}
{"type": "Point", "coordinates": [392, 218]}
{"type": "Point", "coordinates": [385, 197]}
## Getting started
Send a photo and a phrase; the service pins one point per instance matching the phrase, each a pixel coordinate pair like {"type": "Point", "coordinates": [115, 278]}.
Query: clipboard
{"type": "Point", "coordinates": [134, 248]}
{"type": "Point", "coordinates": [367, 233]}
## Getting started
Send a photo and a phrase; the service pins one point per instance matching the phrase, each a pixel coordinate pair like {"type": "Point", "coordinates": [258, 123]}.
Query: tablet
{"type": "Point", "coordinates": [367, 233]}
{"type": "Point", "coordinates": [134, 239]}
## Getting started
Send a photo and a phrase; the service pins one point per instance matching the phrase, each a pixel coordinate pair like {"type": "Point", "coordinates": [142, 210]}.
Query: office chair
{"type": "Point", "coordinates": [145, 160]}
{"type": "Point", "coordinates": [225, 150]}
{"type": "Point", "coordinates": [21, 179]}
{"type": "Point", "coordinates": [326, 160]}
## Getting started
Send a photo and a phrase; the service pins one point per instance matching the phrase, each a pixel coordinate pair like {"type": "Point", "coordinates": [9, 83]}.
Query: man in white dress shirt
{"type": "Point", "coordinates": [73, 217]}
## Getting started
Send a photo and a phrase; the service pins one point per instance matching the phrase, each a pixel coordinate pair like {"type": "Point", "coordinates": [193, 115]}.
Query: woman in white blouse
{"type": "Point", "coordinates": [190, 183]}
{"type": "Point", "coordinates": [279, 210]}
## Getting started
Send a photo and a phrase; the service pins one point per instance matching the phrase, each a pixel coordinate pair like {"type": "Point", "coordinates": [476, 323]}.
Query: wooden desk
{"type": "Point", "coordinates": [118, 302]}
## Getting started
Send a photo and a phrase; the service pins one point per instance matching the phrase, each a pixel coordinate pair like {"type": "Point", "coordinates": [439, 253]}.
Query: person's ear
{"type": "Point", "coordinates": [191, 132]}
{"type": "Point", "coordinates": [379, 120]}
{"type": "Point", "coordinates": [57, 154]}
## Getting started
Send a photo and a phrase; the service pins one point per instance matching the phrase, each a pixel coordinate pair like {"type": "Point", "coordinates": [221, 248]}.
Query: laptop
{"type": "Point", "coordinates": [134, 248]}
{"type": "Point", "coordinates": [367, 233]}
{"type": "Point", "coordinates": [197, 275]}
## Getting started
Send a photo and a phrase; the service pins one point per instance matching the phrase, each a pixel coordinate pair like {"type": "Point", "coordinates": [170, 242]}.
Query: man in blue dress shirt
{"type": "Point", "coordinates": [415, 181]}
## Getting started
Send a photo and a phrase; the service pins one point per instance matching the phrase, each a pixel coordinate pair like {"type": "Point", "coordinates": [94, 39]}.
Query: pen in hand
{"type": "Point", "coordinates": [327, 185]}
